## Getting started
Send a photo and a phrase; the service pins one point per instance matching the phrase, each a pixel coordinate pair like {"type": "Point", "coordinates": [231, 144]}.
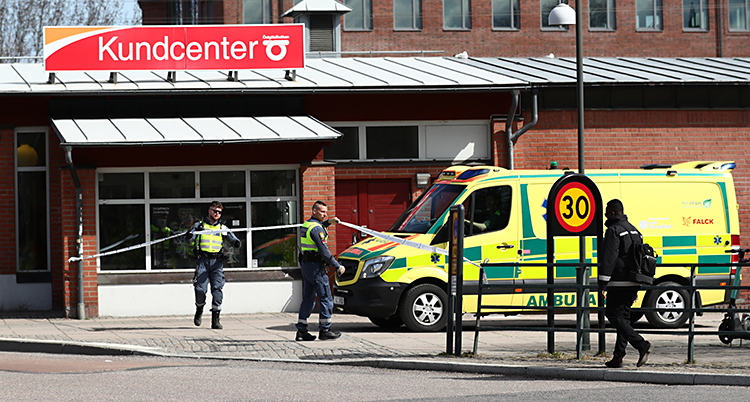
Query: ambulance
{"type": "Point", "coordinates": [687, 212]}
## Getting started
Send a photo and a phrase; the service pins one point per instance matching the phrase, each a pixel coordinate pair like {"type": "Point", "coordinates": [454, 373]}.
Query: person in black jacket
{"type": "Point", "coordinates": [615, 285]}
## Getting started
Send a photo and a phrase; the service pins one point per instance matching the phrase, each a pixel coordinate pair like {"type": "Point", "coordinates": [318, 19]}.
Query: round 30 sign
{"type": "Point", "coordinates": [575, 207]}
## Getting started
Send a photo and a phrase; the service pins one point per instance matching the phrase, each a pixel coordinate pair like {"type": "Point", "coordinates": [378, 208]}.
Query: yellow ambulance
{"type": "Point", "coordinates": [687, 212]}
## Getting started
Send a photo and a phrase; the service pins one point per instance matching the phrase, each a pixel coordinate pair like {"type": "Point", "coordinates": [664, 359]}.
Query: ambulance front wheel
{"type": "Point", "coordinates": [667, 299]}
{"type": "Point", "coordinates": [424, 308]}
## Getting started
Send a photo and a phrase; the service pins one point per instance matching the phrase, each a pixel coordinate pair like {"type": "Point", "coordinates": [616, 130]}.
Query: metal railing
{"type": "Point", "coordinates": [582, 309]}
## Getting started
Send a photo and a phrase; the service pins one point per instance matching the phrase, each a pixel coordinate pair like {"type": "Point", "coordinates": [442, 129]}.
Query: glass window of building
{"type": "Point", "coordinates": [738, 15]}
{"type": "Point", "coordinates": [392, 142]}
{"type": "Point", "coordinates": [506, 14]}
{"type": "Point", "coordinates": [360, 18]}
{"type": "Point", "coordinates": [256, 11]}
{"type": "Point", "coordinates": [129, 216]}
{"type": "Point", "coordinates": [346, 147]}
{"type": "Point", "coordinates": [602, 15]}
{"type": "Point", "coordinates": [32, 214]}
{"type": "Point", "coordinates": [648, 15]}
{"type": "Point", "coordinates": [546, 7]}
{"type": "Point", "coordinates": [407, 14]}
{"type": "Point", "coordinates": [457, 14]}
{"type": "Point", "coordinates": [695, 15]}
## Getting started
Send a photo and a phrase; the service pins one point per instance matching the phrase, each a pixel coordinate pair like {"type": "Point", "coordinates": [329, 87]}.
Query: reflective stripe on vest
{"type": "Point", "coordinates": [211, 243]}
{"type": "Point", "coordinates": [307, 242]}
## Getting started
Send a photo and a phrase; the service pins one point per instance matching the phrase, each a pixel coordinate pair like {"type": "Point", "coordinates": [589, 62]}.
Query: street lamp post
{"type": "Point", "coordinates": [562, 14]}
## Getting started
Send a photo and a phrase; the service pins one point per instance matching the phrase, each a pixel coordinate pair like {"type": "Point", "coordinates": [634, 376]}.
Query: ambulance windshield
{"type": "Point", "coordinates": [422, 213]}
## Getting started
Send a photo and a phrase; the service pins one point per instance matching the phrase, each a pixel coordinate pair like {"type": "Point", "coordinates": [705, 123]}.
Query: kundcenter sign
{"type": "Point", "coordinates": [195, 47]}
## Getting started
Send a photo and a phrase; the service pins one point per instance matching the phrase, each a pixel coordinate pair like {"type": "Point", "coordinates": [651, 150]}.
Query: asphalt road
{"type": "Point", "coordinates": [42, 377]}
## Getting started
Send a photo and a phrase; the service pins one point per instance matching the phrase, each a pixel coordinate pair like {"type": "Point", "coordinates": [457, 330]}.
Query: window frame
{"type": "Point", "coordinates": [514, 13]}
{"type": "Point", "coordinates": [416, 16]}
{"type": "Point", "coordinates": [267, 11]}
{"type": "Point", "coordinates": [703, 14]}
{"type": "Point", "coordinates": [422, 137]}
{"type": "Point", "coordinates": [367, 23]}
{"type": "Point", "coordinates": [147, 202]}
{"type": "Point", "coordinates": [16, 169]}
{"type": "Point", "coordinates": [658, 11]}
{"type": "Point", "coordinates": [746, 17]}
{"type": "Point", "coordinates": [465, 16]}
{"type": "Point", "coordinates": [611, 12]}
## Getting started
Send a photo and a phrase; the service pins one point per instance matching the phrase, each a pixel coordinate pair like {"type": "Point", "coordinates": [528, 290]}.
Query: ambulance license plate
{"type": "Point", "coordinates": [338, 300]}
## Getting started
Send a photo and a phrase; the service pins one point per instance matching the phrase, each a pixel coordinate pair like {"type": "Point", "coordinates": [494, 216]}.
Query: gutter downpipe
{"type": "Point", "coordinates": [79, 222]}
{"type": "Point", "coordinates": [513, 137]}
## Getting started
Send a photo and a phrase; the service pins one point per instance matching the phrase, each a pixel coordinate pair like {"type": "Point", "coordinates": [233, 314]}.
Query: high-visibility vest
{"type": "Point", "coordinates": [211, 243]}
{"type": "Point", "coordinates": [307, 242]}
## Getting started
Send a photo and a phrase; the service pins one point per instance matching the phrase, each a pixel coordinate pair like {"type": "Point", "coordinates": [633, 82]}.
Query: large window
{"type": "Point", "coordinates": [407, 14]}
{"type": "Point", "coordinates": [32, 215]}
{"type": "Point", "coordinates": [506, 14]}
{"type": "Point", "coordinates": [648, 15]}
{"type": "Point", "coordinates": [738, 15]}
{"type": "Point", "coordinates": [456, 142]}
{"type": "Point", "coordinates": [140, 206]}
{"type": "Point", "coordinates": [256, 11]}
{"type": "Point", "coordinates": [602, 15]}
{"type": "Point", "coordinates": [360, 18]}
{"type": "Point", "coordinates": [695, 15]}
{"type": "Point", "coordinates": [546, 7]}
{"type": "Point", "coordinates": [457, 14]}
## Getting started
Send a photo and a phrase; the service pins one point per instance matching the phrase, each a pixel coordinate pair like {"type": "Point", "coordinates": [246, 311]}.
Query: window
{"type": "Point", "coordinates": [602, 15]}
{"type": "Point", "coordinates": [32, 214]}
{"type": "Point", "coordinates": [487, 210]}
{"type": "Point", "coordinates": [256, 11]}
{"type": "Point", "coordinates": [738, 12]}
{"type": "Point", "coordinates": [129, 215]}
{"type": "Point", "coordinates": [695, 15]}
{"type": "Point", "coordinates": [457, 14]}
{"type": "Point", "coordinates": [648, 15]}
{"type": "Point", "coordinates": [189, 12]}
{"type": "Point", "coordinates": [360, 18]}
{"type": "Point", "coordinates": [506, 14]}
{"type": "Point", "coordinates": [457, 142]}
{"type": "Point", "coordinates": [547, 6]}
{"type": "Point", "coordinates": [407, 14]}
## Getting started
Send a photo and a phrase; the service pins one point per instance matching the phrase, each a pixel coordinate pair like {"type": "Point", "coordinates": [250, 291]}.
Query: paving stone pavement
{"type": "Point", "coordinates": [270, 336]}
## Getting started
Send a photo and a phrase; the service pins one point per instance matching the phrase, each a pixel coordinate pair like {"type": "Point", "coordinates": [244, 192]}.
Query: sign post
{"type": "Point", "coordinates": [455, 278]}
{"type": "Point", "coordinates": [574, 208]}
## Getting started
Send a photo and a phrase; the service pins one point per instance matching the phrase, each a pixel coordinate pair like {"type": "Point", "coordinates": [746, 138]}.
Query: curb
{"type": "Point", "coordinates": [558, 373]}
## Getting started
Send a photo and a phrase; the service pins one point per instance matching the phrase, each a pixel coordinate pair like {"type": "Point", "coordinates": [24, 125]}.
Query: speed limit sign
{"type": "Point", "coordinates": [576, 205]}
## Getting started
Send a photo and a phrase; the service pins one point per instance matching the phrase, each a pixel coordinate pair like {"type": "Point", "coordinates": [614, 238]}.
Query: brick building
{"type": "Point", "coordinates": [146, 155]}
{"type": "Point", "coordinates": [514, 28]}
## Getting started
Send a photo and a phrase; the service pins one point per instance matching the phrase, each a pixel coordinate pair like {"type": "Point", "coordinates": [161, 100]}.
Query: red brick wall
{"type": "Point", "coordinates": [531, 41]}
{"type": "Point", "coordinates": [318, 184]}
{"type": "Point", "coordinates": [7, 203]}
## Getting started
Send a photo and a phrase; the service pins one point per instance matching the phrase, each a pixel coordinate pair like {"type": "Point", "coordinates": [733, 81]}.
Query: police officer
{"type": "Point", "coordinates": [210, 267]}
{"type": "Point", "coordinates": [314, 258]}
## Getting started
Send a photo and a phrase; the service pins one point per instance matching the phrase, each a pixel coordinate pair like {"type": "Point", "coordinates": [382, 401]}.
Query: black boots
{"type": "Point", "coordinates": [198, 313]}
{"type": "Point", "coordinates": [616, 362]}
{"type": "Point", "coordinates": [215, 324]}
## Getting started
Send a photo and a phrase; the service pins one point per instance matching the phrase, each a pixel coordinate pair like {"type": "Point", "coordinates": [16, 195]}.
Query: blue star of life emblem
{"type": "Point", "coordinates": [435, 258]}
{"type": "Point", "coordinates": [717, 240]}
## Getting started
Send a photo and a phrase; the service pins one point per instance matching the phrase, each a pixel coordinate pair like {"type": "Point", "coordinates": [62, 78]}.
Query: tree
{"type": "Point", "coordinates": [22, 21]}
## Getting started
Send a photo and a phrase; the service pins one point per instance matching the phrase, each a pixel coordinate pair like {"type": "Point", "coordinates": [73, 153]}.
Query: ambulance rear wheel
{"type": "Point", "coordinates": [667, 299]}
{"type": "Point", "coordinates": [424, 308]}
{"type": "Point", "coordinates": [393, 321]}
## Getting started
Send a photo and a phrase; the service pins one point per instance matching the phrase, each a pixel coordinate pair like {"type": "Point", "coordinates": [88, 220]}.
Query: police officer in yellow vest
{"type": "Point", "coordinates": [314, 258]}
{"type": "Point", "coordinates": [210, 267]}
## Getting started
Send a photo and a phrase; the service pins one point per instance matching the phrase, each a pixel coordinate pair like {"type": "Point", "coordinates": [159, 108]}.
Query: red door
{"type": "Point", "coordinates": [375, 204]}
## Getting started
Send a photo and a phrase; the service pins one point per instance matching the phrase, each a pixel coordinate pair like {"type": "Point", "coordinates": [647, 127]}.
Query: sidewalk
{"type": "Point", "coordinates": [270, 337]}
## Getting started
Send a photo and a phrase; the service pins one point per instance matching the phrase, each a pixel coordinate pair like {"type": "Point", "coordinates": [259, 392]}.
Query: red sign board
{"type": "Point", "coordinates": [175, 47]}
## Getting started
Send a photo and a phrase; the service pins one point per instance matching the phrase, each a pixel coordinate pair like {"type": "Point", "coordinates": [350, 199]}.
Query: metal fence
{"type": "Point", "coordinates": [582, 309]}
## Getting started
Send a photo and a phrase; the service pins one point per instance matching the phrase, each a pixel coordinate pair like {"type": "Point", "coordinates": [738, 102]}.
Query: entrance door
{"type": "Point", "coordinates": [374, 204]}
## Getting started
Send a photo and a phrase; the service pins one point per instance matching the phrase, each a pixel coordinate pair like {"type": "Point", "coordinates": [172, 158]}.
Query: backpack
{"type": "Point", "coordinates": [642, 262]}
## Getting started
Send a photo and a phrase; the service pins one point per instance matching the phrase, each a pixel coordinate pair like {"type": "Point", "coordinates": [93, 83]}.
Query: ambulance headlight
{"type": "Point", "coordinates": [376, 266]}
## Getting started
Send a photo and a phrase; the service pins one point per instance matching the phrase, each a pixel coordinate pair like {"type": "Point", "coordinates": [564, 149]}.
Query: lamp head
{"type": "Point", "coordinates": [562, 14]}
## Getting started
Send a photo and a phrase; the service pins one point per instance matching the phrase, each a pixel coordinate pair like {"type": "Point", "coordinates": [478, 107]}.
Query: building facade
{"type": "Point", "coordinates": [498, 28]}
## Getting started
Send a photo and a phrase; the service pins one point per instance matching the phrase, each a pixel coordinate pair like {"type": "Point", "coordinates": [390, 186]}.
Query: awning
{"type": "Point", "coordinates": [191, 130]}
{"type": "Point", "coordinates": [317, 6]}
